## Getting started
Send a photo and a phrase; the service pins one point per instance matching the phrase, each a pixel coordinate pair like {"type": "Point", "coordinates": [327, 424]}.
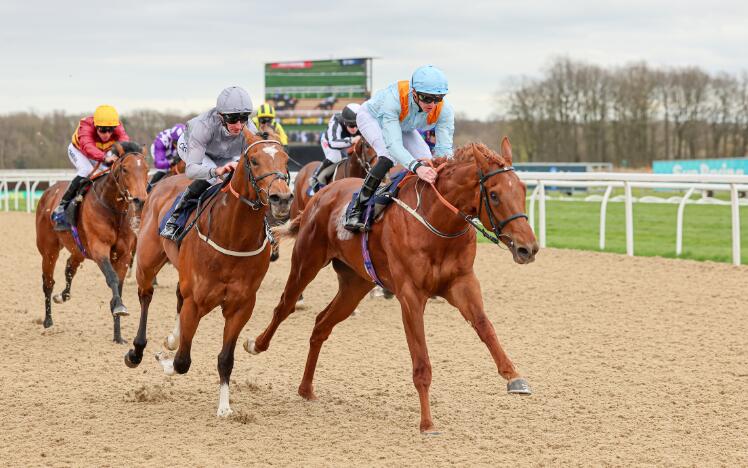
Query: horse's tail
{"type": "Point", "coordinates": [287, 230]}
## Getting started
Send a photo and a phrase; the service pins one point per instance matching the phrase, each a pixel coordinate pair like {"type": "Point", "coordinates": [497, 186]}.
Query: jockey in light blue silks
{"type": "Point", "coordinates": [390, 122]}
{"type": "Point", "coordinates": [211, 146]}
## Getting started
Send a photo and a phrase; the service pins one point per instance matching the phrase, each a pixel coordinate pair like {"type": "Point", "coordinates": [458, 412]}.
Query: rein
{"type": "Point", "coordinates": [496, 234]}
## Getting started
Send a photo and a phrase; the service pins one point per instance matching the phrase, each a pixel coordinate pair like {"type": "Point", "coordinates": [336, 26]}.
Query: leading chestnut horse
{"type": "Point", "coordinates": [222, 259]}
{"type": "Point", "coordinates": [414, 258]}
{"type": "Point", "coordinates": [104, 227]}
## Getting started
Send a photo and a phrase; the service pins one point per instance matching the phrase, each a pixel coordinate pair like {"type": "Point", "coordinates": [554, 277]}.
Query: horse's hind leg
{"type": "Point", "coordinates": [306, 261]}
{"type": "Point", "coordinates": [351, 289]}
{"type": "Point", "coordinates": [465, 295]}
{"type": "Point", "coordinates": [71, 267]}
{"type": "Point", "coordinates": [49, 260]}
{"type": "Point", "coordinates": [236, 317]}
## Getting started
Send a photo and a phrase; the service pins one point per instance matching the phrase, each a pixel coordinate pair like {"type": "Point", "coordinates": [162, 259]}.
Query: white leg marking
{"type": "Point", "coordinates": [223, 401]}
{"type": "Point", "coordinates": [166, 363]}
{"type": "Point", "coordinates": [172, 340]}
{"type": "Point", "coordinates": [249, 346]}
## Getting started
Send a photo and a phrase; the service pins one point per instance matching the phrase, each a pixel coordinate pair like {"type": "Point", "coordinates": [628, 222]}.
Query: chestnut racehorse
{"type": "Point", "coordinates": [414, 258]}
{"type": "Point", "coordinates": [104, 226]}
{"type": "Point", "coordinates": [361, 158]}
{"type": "Point", "coordinates": [221, 261]}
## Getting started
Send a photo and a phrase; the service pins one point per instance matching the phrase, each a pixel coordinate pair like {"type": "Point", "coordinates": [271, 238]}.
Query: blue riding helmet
{"type": "Point", "coordinates": [429, 80]}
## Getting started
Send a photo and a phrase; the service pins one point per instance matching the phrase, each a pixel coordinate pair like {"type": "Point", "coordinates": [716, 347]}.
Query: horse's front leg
{"type": "Point", "coordinates": [413, 303]}
{"type": "Point", "coordinates": [236, 315]}
{"type": "Point", "coordinates": [101, 253]}
{"type": "Point", "coordinates": [464, 293]}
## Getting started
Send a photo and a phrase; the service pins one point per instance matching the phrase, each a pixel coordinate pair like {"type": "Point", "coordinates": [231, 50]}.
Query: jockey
{"type": "Point", "coordinates": [390, 122]}
{"type": "Point", "coordinates": [164, 151]}
{"type": "Point", "coordinates": [341, 134]}
{"type": "Point", "coordinates": [266, 117]}
{"type": "Point", "coordinates": [211, 146]}
{"type": "Point", "coordinates": [91, 141]}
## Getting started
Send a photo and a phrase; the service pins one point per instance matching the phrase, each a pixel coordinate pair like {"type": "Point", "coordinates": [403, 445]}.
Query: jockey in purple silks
{"type": "Point", "coordinates": [164, 151]}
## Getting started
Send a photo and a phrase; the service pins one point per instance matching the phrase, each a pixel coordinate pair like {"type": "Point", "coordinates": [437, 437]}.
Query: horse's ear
{"type": "Point", "coordinates": [118, 148]}
{"type": "Point", "coordinates": [480, 159]}
{"type": "Point", "coordinates": [249, 137]}
{"type": "Point", "coordinates": [506, 150]}
{"type": "Point", "coordinates": [144, 150]}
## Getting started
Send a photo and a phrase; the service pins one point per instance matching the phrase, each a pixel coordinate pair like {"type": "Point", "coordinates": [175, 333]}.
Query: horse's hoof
{"type": "Point", "coordinates": [131, 360]}
{"type": "Point", "coordinates": [170, 342]}
{"type": "Point", "coordinates": [48, 322]}
{"type": "Point", "coordinates": [300, 304]}
{"type": "Point", "coordinates": [58, 299]}
{"type": "Point", "coordinates": [518, 386]}
{"type": "Point", "coordinates": [120, 311]}
{"type": "Point", "coordinates": [431, 432]}
{"type": "Point", "coordinates": [249, 346]}
{"type": "Point", "coordinates": [166, 363]}
{"type": "Point", "coordinates": [224, 412]}
{"type": "Point", "coordinates": [119, 340]}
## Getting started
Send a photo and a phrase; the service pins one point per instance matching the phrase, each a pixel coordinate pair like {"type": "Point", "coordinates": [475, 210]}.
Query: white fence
{"type": "Point", "coordinates": [628, 181]}
{"type": "Point", "coordinates": [29, 180]}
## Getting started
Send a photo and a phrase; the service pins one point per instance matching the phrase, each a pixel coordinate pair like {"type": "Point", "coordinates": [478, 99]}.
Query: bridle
{"type": "Point", "coordinates": [122, 192]}
{"type": "Point", "coordinates": [252, 180]}
{"type": "Point", "coordinates": [496, 228]}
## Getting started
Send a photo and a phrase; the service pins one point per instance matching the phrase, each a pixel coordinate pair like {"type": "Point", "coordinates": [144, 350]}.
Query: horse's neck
{"type": "Point", "coordinates": [233, 221]}
{"type": "Point", "coordinates": [454, 186]}
{"type": "Point", "coordinates": [106, 191]}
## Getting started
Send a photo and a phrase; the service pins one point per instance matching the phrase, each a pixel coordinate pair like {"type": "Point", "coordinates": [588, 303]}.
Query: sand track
{"type": "Point", "coordinates": [632, 360]}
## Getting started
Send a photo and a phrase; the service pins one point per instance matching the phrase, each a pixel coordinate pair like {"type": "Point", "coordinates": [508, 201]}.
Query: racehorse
{"type": "Point", "coordinates": [221, 260]}
{"type": "Point", "coordinates": [424, 249]}
{"type": "Point", "coordinates": [104, 226]}
{"type": "Point", "coordinates": [362, 157]}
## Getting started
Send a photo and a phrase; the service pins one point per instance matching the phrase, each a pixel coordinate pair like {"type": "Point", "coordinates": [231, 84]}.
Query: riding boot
{"type": "Point", "coordinates": [190, 194]}
{"type": "Point", "coordinates": [314, 181]}
{"type": "Point", "coordinates": [355, 220]}
{"type": "Point", "coordinates": [156, 177]}
{"type": "Point", "coordinates": [59, 215]}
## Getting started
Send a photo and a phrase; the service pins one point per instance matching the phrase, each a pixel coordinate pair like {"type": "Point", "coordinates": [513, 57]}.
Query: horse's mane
{"type": "Point", "coordinates": [131, 147]}
{"type": "Point", "coordinates": [465, 154]}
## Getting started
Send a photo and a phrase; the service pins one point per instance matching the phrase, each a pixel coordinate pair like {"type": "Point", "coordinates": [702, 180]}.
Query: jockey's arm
{"type": "Point", "coordinates": [445, 129]}
{"type": "Point", "coordinates": [393, 138]}
{"type": "Point", "coordinates": [198, 140]}
{"type": "Point", "coordinates": [87, 142]}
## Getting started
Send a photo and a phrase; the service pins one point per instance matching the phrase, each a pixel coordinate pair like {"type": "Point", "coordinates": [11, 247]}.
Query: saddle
{"type": "Point", "coordinates": [381, 199]}
{"type": "Point", "coordinates": [189, 208]}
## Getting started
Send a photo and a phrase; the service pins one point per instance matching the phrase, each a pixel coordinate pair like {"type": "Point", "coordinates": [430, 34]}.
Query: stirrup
{"type": "Point", "coordinates": [170, 231]}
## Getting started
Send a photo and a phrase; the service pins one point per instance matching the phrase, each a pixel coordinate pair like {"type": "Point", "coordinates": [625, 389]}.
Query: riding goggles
{"type": "Point", "coordinates": [106, 129]}
{"type": "Point", "coordinates": [265, 120]}
{"type": "Point", "coordinates": [233, 118]}
{"type": "Point", "coordinates": [429, 98]}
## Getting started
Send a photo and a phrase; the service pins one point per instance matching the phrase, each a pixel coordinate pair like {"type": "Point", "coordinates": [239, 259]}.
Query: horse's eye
{"type": "Point", "coordinates": [254, 161]}
{"type": "Point", "coordinates": [494, 198]}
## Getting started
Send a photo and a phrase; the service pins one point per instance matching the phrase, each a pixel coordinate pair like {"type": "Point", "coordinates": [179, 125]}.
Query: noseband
{"type": "Point", "coordinates": [496, 227]}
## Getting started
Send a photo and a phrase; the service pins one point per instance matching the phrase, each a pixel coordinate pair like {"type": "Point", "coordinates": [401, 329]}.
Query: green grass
{"type": "Point", "coordinates": [707, 231]}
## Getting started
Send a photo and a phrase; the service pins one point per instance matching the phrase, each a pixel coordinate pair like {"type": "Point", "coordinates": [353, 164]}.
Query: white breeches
{"type": "Point", "coordinates": [372, 132]}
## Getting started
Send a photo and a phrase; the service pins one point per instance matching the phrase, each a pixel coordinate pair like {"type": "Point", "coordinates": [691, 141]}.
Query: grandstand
{"type": "Point", "coordinates": [306, 93]}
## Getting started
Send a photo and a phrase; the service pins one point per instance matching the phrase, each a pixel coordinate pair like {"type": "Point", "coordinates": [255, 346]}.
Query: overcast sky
{"type": "Point", "coordinates": [178, 55]}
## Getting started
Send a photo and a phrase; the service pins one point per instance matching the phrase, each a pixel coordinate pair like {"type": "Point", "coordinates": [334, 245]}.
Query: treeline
{"type": "Point", "coordinates": [30, 141]}
{"type": "Point", "coordinates": [628, 115]}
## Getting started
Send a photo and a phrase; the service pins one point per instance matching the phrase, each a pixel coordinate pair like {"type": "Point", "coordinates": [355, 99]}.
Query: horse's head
{"type": "Point", "coordinates": [502, 201]}
{"type": "Point", "coordinates": [130, 173]}
{"type": "Point", "coordinates": [264, 166]}
{"type": "Point", "coordinates": [363, 155]}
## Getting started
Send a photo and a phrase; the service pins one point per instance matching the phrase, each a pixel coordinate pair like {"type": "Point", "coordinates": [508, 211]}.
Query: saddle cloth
{"type": "Point", "coordinates": [381, 199]}
{"type": "Point", "coordinates": [185, 215]}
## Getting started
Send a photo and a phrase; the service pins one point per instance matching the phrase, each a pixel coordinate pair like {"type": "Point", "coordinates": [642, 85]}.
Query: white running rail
{"type": "Point", "coordinates": [690, 182]}
{"type": "Point", "coordinates": [29, 180]}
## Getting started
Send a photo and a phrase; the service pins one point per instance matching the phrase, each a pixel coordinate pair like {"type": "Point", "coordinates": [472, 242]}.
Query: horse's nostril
{"type": "Point", "coordinates": [522, 252]}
